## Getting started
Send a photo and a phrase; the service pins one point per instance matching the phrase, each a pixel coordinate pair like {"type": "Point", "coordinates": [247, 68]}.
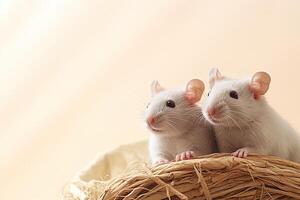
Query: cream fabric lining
{"type": "Point", "coordinates": [107, 165]}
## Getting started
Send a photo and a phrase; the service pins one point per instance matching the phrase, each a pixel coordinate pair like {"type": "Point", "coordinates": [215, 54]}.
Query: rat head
{"type": "Point", "coordinates": [235, 102]}
{"type": "Point", "coordinates": [172, 111]}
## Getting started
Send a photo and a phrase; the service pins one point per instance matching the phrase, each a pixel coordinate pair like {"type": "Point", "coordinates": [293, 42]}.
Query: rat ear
{"type": "Point", "coordinates": [214, 75]}
{"type": "Point", "coordinates": [194, 91]}
{"type": "Point", "coordinates": [260, 83]}
{"type": "Point", "coordinates": [156, 87]}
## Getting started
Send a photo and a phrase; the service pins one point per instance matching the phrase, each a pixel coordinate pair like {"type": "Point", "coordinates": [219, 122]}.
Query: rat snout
{"type": "Point", "coordinates": [211, 111]}
{"type": "Point", "coordinates": [214, 112]}
{"type": "Point", "coordinates": [150, 120]}
{"type": "Point", "coordinates": [152, 123]}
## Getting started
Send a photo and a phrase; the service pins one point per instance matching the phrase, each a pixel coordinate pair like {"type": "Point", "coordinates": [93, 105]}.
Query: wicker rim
{"type": "Point", "coordinates": [215, 176]}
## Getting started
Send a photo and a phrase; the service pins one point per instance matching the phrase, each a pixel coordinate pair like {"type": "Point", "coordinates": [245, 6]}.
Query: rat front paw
{"type": "Point", "coordinates": [160, 161]}
{"type": "Point", "coordinates": [185, 155]}
{"type": "Point", "coordinates": [241, 153]}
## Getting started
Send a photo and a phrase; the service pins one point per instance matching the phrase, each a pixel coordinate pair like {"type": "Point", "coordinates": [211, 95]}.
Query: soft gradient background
{"type": "Point", "coordinates": [75, 75]}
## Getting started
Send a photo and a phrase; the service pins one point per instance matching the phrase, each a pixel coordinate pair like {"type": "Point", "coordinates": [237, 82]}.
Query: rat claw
{"type": "Point", "coordinates": [185, 155]}
{"type": "Point", "coordinates": [240, 153]}
{"type": "Point", "coordinates": [234, 154]}
{"type": "Point", "coordinates": [188, 154]}
{"type": "Point", "coordinates": [177, 157]}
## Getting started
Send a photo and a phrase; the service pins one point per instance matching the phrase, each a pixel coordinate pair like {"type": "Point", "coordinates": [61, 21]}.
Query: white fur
{"type": "Point", "coordinates": [183, 127]}
{"type": "Point", "coordinates": [250, 123]}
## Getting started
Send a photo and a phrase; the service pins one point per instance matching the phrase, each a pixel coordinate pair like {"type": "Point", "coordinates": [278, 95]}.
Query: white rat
{"type": "Point", "coordinates": [244, 122]}
{"type": "Point", "coordinates": [178, 131]}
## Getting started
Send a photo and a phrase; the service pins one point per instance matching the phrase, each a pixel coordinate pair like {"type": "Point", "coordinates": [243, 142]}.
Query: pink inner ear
{"type": "Point", "coordinates": [259, 84]}
{"type": "Point", "coordinates": [156, 88]}
{"type": "Point", "coordinates": [214, 75]}
{"type": "Point", "coordinates": [194, 90]}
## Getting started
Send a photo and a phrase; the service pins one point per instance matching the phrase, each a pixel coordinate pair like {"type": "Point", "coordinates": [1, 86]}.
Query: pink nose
{"type": "Point", "coordinates": [150, 120]}
{"type": "Point", "coordinates": [211, 112]}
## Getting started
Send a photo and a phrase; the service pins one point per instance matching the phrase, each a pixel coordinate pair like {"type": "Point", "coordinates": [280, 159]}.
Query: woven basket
{"type": "Point", "coordinates": [215, 176]}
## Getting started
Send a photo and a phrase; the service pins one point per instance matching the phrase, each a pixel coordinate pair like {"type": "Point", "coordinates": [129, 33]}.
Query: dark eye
{"type": "Point", "coordinates": [170, 103]}
{"type": "Point", "coordinates": [208, 93]}
{"type": "Point", "coordinates": [147, 105]}
{"type": "Point", "coordinates": [233, 94]}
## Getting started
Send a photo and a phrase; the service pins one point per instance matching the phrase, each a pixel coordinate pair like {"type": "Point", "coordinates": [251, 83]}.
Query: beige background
{"type": "Point", "coordinates": [75, 75]}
